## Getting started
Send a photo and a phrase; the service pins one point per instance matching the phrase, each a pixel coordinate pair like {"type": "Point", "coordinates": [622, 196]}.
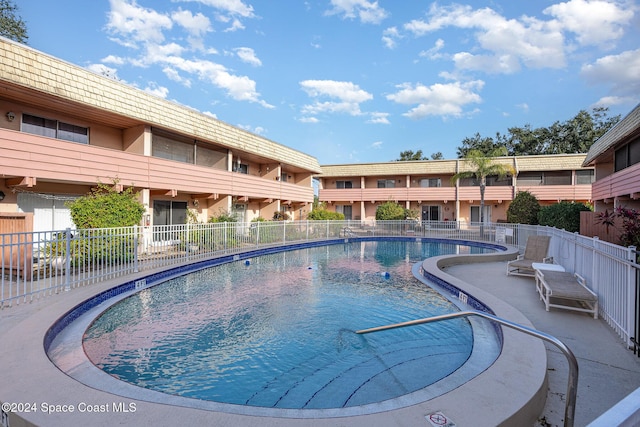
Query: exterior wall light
{"type": "Point", "coordinates": [11, 116]}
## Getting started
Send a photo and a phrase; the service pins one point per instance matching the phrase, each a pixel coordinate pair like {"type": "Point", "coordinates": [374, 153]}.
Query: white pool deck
{"type": "Point", "coordinates": [523, 375]}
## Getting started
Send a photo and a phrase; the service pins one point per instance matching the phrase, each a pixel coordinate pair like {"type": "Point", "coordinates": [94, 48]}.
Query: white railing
{"type": "Point", "coordinates": [38, 264]}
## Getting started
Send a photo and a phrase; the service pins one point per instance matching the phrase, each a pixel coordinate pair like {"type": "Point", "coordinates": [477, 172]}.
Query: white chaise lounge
{"type": "Point", "coordinates": [535, 251]}
{"type": "Point", "coordinates": [564, 290]}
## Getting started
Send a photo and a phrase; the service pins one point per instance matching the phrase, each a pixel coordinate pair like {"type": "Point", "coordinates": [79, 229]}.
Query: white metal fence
{"type": "Point", "coordinates": [38, 264]}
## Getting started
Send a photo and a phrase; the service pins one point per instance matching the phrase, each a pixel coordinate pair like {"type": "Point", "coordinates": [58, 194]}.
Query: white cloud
{"type": "Point", "coordinates": [133, 23]}
{"type": "Point", "coordinates": [532, 42]}
{"type": "Point", "coordinates": [231, 7]}
{"type": "Point", "coordinates": [434, 52]}
{"type": "Point", "coordinates": [309, 120]}
{"type": "Point", "coordinates": [196, 25]}
{"type": "Point", "coordinates": [346, 91]}
{"type": "Point", "coordinates": [142, 29]}
{"type": "Point", "coordinates": [173, 75]}
{"type": "Point", "coordinates": [246, 54]}
{"type": "Point", "coordinates": [379, 118]}
{"type": "Point", "coordinates": [369, 12]}
{"type": "Point", "coordinates": [112, 59]}
{"type": "Point", "coordinates": [390, 36]}
{"type": "Point", "coordinates": [438, 99]}
{"type": "Point", "coordinates": [594, 21]}
{"type": "Point", "coordinates": [377, 145]}
{"type": "Point", "coordinates": [346, 97]}
{"type": "Point", "coordinates": [159, 91]}
{"type": "Point", "coordinates": [621, 72]}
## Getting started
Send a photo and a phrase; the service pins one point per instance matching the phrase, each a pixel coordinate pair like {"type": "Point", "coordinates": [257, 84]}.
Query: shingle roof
{"type": "Point", "coordinates": [619, 133]}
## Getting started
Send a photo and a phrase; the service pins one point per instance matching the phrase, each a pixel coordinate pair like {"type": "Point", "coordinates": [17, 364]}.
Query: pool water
{"type": "Point", "coordinates": [277, 331]}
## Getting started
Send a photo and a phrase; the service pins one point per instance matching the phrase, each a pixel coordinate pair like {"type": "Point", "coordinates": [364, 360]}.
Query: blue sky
{"type": "Point", "coordinates": [358, 81]}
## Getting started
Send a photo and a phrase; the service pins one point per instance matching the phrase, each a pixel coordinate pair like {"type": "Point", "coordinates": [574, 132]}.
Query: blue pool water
{"type": "Point", "coordinates": [277, 331]}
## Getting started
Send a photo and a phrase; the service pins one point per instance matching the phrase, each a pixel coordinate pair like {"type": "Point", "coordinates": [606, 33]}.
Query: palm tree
{"type": "Point", "coordinates": [483, 167]}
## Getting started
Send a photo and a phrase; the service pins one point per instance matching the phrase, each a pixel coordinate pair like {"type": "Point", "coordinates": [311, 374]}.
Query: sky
{"type": "Point", "coordinates": [358, 81]}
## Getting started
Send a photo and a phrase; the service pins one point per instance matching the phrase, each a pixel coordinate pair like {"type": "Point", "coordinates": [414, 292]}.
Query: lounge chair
{"type": "Point", "coordinates": [535, 251]}
{"type": "Point", "coordinates": [567, 291]}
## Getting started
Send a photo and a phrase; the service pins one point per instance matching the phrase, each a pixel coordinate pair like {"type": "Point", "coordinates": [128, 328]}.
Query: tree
{"type": "Point", "coordinates": [564, 215]}
{"type": "Point", "coordinates": [410, 155]}
{"type": "Point", "coordinates": [437, 156]}
{"type": "Point", "coordinates": [389, 211]}
{"type": "Point", "coordinates": [523, 209]}
{"type": "Point", "coordinates": [483, 166]}
{"type": "Point", "coordinates": [481, 144]}
{"type": "Point", "coordinates": [11, 25]}
{"type": "Point", "coordinates": [575, 135]}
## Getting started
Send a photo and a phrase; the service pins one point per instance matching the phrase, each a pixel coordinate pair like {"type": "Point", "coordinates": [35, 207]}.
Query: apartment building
{"type": "Point", "coordinates": [63, 129]}
{"type": "Point", "coordinates": [356, 190]}
{"type": "Point", "coordinates": [616, 159]}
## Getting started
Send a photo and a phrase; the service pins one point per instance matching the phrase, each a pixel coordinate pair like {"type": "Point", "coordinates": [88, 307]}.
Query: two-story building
{"type": "Point", "coordinates": [616, 159]}
{"type": "Point", "coordinates": [427, 187]}
{"type": "Point", "coordinates": [63, 129]}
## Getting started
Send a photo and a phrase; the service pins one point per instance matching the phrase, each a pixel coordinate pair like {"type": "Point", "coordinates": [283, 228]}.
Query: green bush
{"type": "Point", "coordinates": [389, 211]}
{"type": "Point", "coordinates": [563, 215]}
{"type": "Point", "coordinates": [105, 207]}
{"type": "Point", "coordinates": [323, 215]}
{"type": "Point", "coordinates": [524, 209]}
{"type": "Point", "coordinates": [223, 217]}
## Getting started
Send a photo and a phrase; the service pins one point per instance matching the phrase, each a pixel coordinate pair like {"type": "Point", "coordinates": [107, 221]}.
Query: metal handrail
{"type": "Point", "coordinates": [572, 387]}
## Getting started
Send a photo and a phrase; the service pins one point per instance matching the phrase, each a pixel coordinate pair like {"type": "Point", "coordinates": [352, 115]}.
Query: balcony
{"type": "Point", "coordinates": [624, 183]}
{"type": "Point", "coordinates": [490, 193]}
{"type": "Point", "coordinates": [383, 194]}
{"type": "Point", "coordinates": [54, 160]}
{"type": "Point", "coordinates": [554, 193]}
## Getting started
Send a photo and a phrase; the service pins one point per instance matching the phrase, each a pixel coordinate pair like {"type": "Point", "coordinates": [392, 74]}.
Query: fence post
{"type": "Point", "coordinates": [67, 261]}
{"type": "Point", "coordinates": [632, 300]}
{"type": "Point", "coordinates": [284, 231]}
{"type": "Point", "coordinates": [135, 248]}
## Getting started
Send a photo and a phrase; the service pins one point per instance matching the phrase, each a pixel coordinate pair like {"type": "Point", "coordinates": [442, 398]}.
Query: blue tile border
{"type": "Point", "coordinates": [156, 278]}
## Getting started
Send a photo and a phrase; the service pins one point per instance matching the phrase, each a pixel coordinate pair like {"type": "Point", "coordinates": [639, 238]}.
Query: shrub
{"type": "Point", "coordinates": [389, 211]}
{"type": "Point", "coordinates": [280, 216]}
{"type": "Point", "coordinates": [630, 235]}
{"type": "Point", "coordinates": [563, 215]}
{"type": "Point", "coordinates": [105, 207]}
{"type": "Point", "coordinates": [324, 214]}
{"type": "Point", "coordinates": [223, 217]}
{"type": "Point", "coordinates": [523, 209]}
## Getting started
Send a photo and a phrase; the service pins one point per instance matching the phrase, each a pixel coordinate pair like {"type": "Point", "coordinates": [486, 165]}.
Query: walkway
{"type": "Point", "coordinates": [608, 371]}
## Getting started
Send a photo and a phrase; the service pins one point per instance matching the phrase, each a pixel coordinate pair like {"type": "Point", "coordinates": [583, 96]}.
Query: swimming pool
{"type": "Point", "coordinates": [358, 275]}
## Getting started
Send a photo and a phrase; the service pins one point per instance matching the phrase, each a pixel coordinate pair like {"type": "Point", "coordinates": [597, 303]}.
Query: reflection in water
{"type": "Point", "coordinates": [279, 331]}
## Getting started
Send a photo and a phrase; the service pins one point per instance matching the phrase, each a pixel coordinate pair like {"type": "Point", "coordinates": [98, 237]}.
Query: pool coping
{"type": "Point", "coordinates": [522, 374]}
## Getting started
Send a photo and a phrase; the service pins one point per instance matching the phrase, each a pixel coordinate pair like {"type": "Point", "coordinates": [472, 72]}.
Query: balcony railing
{"type": "Point", "coordinates": [48, 159]}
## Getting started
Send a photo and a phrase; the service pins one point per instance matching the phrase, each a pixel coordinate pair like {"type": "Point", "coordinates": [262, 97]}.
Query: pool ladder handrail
{"type": "Point", "coordinates": [572, 387]}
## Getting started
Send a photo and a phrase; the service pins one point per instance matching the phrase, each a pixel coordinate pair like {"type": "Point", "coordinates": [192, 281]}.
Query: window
{"type": "Point", "coordinates": [430, 213]}
{"type": "Point", "coordinates": [172, 150]}
{"type": "Point", "coordinates": [54, 129]}
{"type": "Point", "coordinates": [584, 177]}
{"type": "Point", "coordinates": [493, 181]}
{"type": "Point", "coordinates": [241, 168]}
{"type": "Point", "coordinates": [344, 184]}
{"type": "Point", "coordinates": [210, 158]}
{"type": "Point", "coordinates": [557, 178]}
{"type": "Point", "coordinates": [627, 155]}
{"type": "Point", "coordinates": [430, 182]}
{"type": "Point", "coordinates": [283, 177]}
{"type": "Point", "coordinates": [386, 183]}
{"type": "Point", "coordinates": [172, 147]}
